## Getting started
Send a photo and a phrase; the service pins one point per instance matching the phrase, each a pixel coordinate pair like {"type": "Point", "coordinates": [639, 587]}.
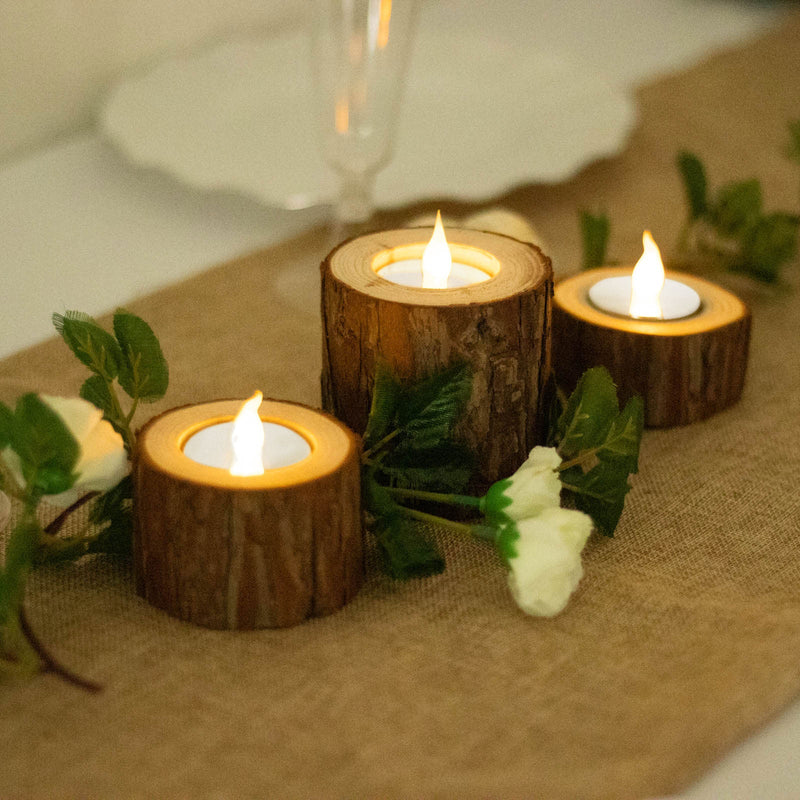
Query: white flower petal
{"type": "Point", "coordinates": [535, 486]}
{"type": "Point", "coordinates": [548, 567]}
{"type": "Point", "coordinates": [79, 415]}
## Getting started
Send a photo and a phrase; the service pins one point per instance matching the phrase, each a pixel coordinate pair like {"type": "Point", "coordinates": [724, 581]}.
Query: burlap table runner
{"type": "Point", "coordinates": [682, 638]}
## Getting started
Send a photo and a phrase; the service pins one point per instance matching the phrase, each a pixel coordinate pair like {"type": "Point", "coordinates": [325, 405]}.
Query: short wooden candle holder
{"type": "Point", "coordinates": [501, 326]}
{"type": "Point", "coordinates": [263, 551]}
{"type": "Point", "coordinates": [684, 369]}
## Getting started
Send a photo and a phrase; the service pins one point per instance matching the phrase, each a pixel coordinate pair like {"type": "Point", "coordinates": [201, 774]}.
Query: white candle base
{"type": "Point", "coordinates": [408, 272]}
{"type": "Point", "coordinates": [212, 446]}
{"type": "Point", "coordinates": [613, 295]}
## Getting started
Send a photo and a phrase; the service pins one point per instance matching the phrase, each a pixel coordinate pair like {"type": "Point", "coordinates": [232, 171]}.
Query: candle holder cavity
{"type": "Point", "coordinates": [685, 369]}
{"type": "Point", "coordinates": [501, 326]}
{"type": "Point", "coordinates": [260, 551]}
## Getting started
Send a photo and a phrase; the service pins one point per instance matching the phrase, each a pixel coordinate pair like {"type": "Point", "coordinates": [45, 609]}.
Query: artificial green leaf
{"type": "Point", "coordinates": [445, 467]}
{"type": "Point", "coordinates": [694, 184]}
{"type": "Point", "coordinates": [385, 397]}
{"type": "Point", "coordinates": [6, 425]}
{"type": "Point", "coordinates": [47, 450]}
{"type": "Point", "coordinates": [376, 499]}
{"type": "Point", "coordinates": [430, 409]}
{"type": "Point", "coordinates": [143, 372]}
{"type": "Point", "coordinates": [18, 561]}
{"type": "Point", "coordinates": [600, 493]}
{"type": "Point", "coordinates": [405, 551]}
{"type": "Point", "coordinates": [97, 391]}
{"type": "Point", "coordinates": [589, 413]}
{"type": "Point", "coordinates": [110, 504]}
{"type": "Point", "coordinates": [93, 346]}
{"type": "Point", "coordinates": [114, 509]}
{"type": "Point", "coordinates": [771, 243]}
{"type": "Point", "coordinates": [793, 149]}
{"type": "Point", "coordinates": [600, 490]}
{"type": "Point", "coordinates": [738, 208]}
{"type": "Point", "coordinates": [595, 230]}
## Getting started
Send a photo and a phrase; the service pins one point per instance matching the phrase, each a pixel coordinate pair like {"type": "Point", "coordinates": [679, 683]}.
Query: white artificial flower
{"type": "Point", "coordinates": [547, 566]}
{"type": "Point", "coordinates": [534, 487]}
{"type": "Point", "coordinates": [103, 460]}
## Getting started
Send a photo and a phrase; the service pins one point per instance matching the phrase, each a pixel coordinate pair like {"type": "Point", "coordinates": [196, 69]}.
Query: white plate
{"type": "Point", "coordinates": [480, 115]}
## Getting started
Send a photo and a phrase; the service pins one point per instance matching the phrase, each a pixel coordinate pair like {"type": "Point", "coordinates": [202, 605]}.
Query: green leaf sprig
{"type": "Point", "coordinates": [726, 229]}
{"type": "Point", "coordinates": [406, 467]}
{"type": "Point", "coordinates": [595, 230]}
{"type": "Point", "coordinates": [40, 456]}
{"type": "Point", "coordinates": [730, 226]}
{"type": "Point", "coordinates": [409, 446]}
{"type": "Point", "coordinates": [599, 445]}
{"type": "Point", "coordinates": [130, 359]}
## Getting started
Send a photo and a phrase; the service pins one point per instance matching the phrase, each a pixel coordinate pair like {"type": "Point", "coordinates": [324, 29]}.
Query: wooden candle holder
{"type": "Point", "coordinates": [500, 326]}
{"type": "Point", "coordinates": [263, 551]}
{"type": "Point", "coordinates": [684, 369]}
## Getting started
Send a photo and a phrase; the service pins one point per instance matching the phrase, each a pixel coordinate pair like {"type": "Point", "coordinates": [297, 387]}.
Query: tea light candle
{"type": "Point", "coordinates": [677, 340]}
{"type": "Point", "coordinates": [227, 538]}
{"type": "Point", "coordinates": [498, 321]}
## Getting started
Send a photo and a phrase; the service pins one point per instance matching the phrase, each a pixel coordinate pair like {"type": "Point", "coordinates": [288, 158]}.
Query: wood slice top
{"type": "Point", "coordinates": [718, 306]}
{"type": "Point", "coordinates": [160, 444]}
{"type": "Point", "coordinates": [513, 266]}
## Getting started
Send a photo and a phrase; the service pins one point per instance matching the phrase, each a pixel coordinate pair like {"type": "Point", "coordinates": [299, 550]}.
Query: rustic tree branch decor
{"type": "Point", "coordinates": [233, 552]}
{"type": "Point", "coordinates": [685, 369]}
{"type": "Point", "coordinates": [500, 326]}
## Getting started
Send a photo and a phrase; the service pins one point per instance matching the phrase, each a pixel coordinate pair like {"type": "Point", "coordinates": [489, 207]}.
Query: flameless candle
{"type": "Point", "coordinates": [646, 293]}
{"type": "Point", "coordinates": [499, 323]}
{"type": "Point", "coordinates": [250, 520]}
{"type": "Point", "coordinates": [677, 340]}
{"type": "Point", "coordinates": [436, 269]}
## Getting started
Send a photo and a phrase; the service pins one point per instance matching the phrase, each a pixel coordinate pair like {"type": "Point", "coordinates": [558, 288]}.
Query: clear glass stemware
{"type": "Point", "coordinates": [360, 53]}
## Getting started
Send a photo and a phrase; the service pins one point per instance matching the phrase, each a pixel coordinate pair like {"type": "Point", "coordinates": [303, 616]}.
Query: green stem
{"type": "Point", "coordinates": [121, 418]}
{"type": "Point", "coordinates": [49, 662]}
{"type": "Point", "coordinates": [129, 418]}
{"type": "Point", "coordinates": [55, 526]}
{"type": "Point", "coordinates": [386, 439]}
{"type": "Point", "coordinates": [437, 497]}
{"type": "Point", "coordinates": [433, 519]}
{"type": "Point", "coordinates": [52, 549]}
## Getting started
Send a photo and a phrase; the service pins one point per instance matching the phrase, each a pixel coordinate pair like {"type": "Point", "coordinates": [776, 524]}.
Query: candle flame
{"type": "Point", "coordinates": [647, 282]}
{"type": "Point", "coordinates": [385, 14]}
{"type": "Point", "coordinates": [436, 259]}
{"type": "Point", "coordinates": [247, 439]}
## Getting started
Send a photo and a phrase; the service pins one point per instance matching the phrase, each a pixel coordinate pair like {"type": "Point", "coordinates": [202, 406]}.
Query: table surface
{"type": "Point", "coordinates": [83, 229]}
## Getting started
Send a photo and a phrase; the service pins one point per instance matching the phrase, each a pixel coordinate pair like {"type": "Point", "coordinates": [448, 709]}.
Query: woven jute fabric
{"type": "Point", "coordinates": [681, 639]}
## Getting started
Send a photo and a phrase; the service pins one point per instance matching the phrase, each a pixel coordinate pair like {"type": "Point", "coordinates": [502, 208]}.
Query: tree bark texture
{"type": "Point", "coordinates": [238, 558]}
{"type": "Point", "coordinates": [501, 327]}
{"type": "Point", "coordinates": [685, 370]}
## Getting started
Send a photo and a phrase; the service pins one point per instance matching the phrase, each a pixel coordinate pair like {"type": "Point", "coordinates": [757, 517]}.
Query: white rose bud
{"type": "Point", "coordinates": [103, 460]}
{"type": "Point", "coordinates": [534, 487]}
{"type": "Point", "coordinates": [547, 567]}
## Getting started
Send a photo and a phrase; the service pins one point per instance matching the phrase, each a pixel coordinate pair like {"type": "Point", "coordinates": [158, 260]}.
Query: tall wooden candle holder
{"type": "Point", "coordinates": [501, 326]}
{"type": "Point", "coordinates": [685, 369]}
{"type": "Point", "coordinates": [259, 551]}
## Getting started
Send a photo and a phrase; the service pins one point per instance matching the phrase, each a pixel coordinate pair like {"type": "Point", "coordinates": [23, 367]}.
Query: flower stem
{"type": "Point", "coordinates": [49, 661]}
{"type": "Point", "coordinates": [436, 497]}
{"type": "Point", "coordinates": [386, 439]}
{"type": "Point", "coordinates": [433, 519]}
{"type": "Point", "coordinates": [55, 526]}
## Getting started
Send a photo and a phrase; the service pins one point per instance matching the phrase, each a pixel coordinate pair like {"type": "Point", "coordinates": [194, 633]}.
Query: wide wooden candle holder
{"type": "Point", "coordinates": [685, 369]}
{"type": "Point", "coordinates": [501, 326]}
{"type": "Point", "coordinates": [259, 551]}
